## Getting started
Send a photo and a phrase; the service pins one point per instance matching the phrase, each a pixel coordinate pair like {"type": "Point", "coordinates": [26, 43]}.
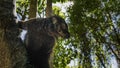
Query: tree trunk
{"type": "Point", "coordinates": [33, 8]}
{"type": "Point", "coordinates": [12, 51]}
{"type": "Point", "coordinates": [48, 14]}
{"type": "Point", "coordinates": [49, 8]}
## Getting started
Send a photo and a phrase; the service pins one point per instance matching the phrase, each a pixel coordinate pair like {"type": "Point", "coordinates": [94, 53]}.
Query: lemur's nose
{"type": "Point", "coordinates": [67, 35]}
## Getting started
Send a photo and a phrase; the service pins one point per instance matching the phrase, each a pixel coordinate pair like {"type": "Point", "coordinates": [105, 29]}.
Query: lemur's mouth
{"type": "Point", "coordinates": [58, 34]}
{"type": "Point", "coordinates": [64, 35]}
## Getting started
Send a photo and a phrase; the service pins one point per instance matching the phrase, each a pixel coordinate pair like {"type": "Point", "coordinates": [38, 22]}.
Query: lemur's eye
{"type": "Point", "coordinates": [59, 29]}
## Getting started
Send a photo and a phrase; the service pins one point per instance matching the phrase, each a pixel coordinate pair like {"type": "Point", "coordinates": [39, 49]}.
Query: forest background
{"type": "Point", "coordinates": [94, 26]}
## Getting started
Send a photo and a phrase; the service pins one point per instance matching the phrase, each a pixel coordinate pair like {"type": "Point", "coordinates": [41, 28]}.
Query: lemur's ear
{"type": "Point", "coordinates": [22, 25]}
{"type": "Point", "coordinates": [54, 20]}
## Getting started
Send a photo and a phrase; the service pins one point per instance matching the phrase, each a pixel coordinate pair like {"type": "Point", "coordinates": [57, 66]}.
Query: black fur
{"type": "Point", "coordinates": [40, 38]}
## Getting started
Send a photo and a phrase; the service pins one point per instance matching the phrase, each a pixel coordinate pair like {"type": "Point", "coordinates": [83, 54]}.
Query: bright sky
{"type": "Point", "coordinates": [63, 6]}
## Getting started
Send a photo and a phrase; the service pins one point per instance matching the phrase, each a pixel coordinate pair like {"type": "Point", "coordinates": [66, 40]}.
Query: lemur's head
{"type": "Point", "coordinates": [54, 25]}
{"type": "Point", "coordinates": [59, 27]}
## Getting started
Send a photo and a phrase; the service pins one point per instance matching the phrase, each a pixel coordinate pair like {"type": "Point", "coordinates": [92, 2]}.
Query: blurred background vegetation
{"type": "Point", "coordinates": [94, 26]}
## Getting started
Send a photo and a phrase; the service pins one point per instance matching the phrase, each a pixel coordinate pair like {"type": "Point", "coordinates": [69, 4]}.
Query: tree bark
{"type": "Point", "coordinates": [33, 8]}
{"type": "Point", "coordinates": [49, 8]}
{"type": "Point", "coordinates": [12, 51]}
{"type": "Point", "coordinates": [49, 14]}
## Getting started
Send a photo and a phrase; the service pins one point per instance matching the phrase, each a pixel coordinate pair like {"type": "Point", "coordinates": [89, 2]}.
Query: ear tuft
{"type": "Point", "coordinates": [54, 20]}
